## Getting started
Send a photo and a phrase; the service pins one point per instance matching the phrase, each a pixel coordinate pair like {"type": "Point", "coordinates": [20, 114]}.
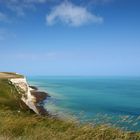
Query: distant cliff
{"type": "Point", "coordinates": [25, 96]}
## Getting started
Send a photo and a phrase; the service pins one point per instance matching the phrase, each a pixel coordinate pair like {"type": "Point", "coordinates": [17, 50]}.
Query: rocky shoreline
{"type": "Point", "coordinates": [40, 97]}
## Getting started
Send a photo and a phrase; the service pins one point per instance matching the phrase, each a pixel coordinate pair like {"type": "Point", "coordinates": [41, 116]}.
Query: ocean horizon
{"type": "Point", "coordinates": [111, 100]}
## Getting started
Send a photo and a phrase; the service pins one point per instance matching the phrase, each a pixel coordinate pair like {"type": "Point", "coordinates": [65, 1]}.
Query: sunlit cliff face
{"type": "Point", "coordinates": [24, 90]}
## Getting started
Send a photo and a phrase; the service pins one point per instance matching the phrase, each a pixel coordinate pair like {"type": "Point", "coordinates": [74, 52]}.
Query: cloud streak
{"type": "Point", "coordinates": [2, 34]}
{"type": "Point", "coordinates": [100, 1]}
{"type": "Point", "coordinates": [20, 6]}
{"type": "Point", "coordinates": [6, 34]}
{"type": "Point", "coordinates": [3, 17]}
{"type": "Point", "coordinates": [72, 15]}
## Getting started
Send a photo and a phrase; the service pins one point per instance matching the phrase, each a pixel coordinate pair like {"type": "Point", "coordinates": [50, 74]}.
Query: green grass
{"type": "Point", "coordinates": [25, 125]}
{"type": "Point", "coordinates": [10, 97]}
{"type": "Point", "coordinates": [8, 94]}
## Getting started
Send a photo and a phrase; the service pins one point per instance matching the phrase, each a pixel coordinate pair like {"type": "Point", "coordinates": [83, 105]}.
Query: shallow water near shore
{"type": "Point", "coordinates": [110, 100]}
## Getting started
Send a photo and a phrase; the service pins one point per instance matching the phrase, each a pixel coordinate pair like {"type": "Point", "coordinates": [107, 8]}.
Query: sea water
{"type": "Point", "coordinates": [96, 100]}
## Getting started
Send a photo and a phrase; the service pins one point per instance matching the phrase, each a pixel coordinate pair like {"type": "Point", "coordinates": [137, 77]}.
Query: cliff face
{"type": "Point", "coordinates": [15, 92]}
{"type": "Point", "coordinates": [28, 97]}
{"type": "Point", "coordinates": [25, 91]}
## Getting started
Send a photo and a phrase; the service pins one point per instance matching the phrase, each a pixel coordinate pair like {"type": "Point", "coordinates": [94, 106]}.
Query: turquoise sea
{"type": "Point", "coordinates": [96, 100]}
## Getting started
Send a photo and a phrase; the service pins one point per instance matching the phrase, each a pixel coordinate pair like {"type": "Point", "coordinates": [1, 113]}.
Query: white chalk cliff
{"type": "Point", "coordinates": [27, 97]}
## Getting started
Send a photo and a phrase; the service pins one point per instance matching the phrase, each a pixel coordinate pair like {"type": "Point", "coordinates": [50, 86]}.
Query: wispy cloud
{"type": "Point", "coordinates": [35, 1]}
{"type": "Point", "coordinates": [2, 34]}
{"type": "Point", "coordinates": [3, 17]}
{"type": "Point", "coordinates": [96, 2]}
{"type": "Point", "coordinates": [101, 1]}
{"type": "Point", "coordinates": [71, 14]}
{"type": "Point", "coordinates": [20, 6]}
{"type": "Point", "coordinates": [34, 56]}
{"type": "Point", "coordinates": [6, 34]}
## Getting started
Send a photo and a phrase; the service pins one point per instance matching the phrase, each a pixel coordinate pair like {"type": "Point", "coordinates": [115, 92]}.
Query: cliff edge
{"type": "Point", "coordinates": [16, 92]}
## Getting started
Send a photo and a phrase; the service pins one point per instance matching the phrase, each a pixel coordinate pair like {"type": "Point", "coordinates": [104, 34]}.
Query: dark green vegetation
{"type": "Point", "coordinates": [8, 94]}
{"type": "Point", "coordinates": [18, 124]}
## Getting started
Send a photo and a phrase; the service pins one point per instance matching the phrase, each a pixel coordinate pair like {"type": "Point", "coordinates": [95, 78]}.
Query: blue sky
{"type": "Point", "coordinates": [70, 37]}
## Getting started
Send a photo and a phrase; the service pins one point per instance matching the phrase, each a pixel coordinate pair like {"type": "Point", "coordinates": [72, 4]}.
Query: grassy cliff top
{"type": "Point", "coordinates": [8, 94]}
{"type": "Point", "coordinates": [8, 75]}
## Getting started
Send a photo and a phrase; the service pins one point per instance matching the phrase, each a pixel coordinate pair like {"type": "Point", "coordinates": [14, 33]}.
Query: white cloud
{"type": "Point", "coordinates": [71, 14]}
